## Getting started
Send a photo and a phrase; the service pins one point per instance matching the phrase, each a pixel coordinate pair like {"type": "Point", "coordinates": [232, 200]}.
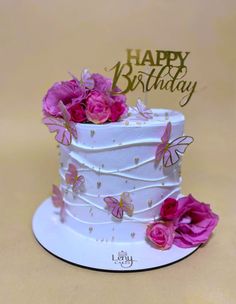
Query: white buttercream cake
{"type": "Point", "coordinates": [115, 158]}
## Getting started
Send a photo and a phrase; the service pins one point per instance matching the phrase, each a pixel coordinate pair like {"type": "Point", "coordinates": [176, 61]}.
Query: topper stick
{"type": "Point", "coordinates": [147, 70]}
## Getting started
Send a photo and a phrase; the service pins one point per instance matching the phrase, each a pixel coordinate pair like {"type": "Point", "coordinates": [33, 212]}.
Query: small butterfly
{"type": "Point", "coordinates": [64, 128]}
{"type": "Point", "coordinates": [58, 202]}
{"type": "Point", "coordinates": [171, 152]}
{"type": "Point", "coordinates": [87, 80]}
{"type": "Point", "coordinates": [72, 178]}
{"type": "Point", "coordinates": [142, 110]}
{"type": "Point", "coordinates": [117, 208]}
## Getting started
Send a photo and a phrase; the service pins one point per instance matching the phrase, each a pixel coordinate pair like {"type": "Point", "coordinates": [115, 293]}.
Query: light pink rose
{"type": "Point", "coordinates": [195, 222]}
{"type": "Point", "coordinates": [69, 92]}
{"type": "Point", "coordinates": [77, 112]}
{"type": "Point", "coordinates": [161, 234]}
{"type": "Point", "coordinates": [169, 209]}
{"type": "Point", "coordinates": [97, 108]}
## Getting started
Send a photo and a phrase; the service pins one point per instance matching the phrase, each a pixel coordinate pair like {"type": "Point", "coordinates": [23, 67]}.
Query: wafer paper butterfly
{"type": "Point", "coordinates": [117, 208]}
{"type": "Point", "coordinates": [86, 79]}
{"type": "Point", "coordinates": [171, 152]}
{"type": "Point", "coordinates": [142, 110]}
{"type": "Point", "coordinates": [58, 201]}
{"type": "Point", "coordinates": [72, 178]}
{"type": "Point", "coordinates": [64, 128]}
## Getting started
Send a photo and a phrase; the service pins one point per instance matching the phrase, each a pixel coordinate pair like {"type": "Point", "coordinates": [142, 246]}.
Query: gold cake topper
{"type": "Point", "coordinates": [154, 70]}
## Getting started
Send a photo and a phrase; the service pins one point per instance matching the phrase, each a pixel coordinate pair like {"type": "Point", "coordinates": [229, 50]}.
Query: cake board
{"type": "Point", "coordinates": [70, 246]}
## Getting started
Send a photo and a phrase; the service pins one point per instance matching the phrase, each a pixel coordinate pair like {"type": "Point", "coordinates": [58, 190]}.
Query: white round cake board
{"type": "Point", "coordinates": [70, 246]}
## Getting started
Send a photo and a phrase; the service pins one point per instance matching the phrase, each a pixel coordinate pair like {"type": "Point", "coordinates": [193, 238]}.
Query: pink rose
{"type": "Point", "coordinates": [68, 92]}
{"type": "Point", "coordinates": [97, 109]}
{"type": "Point", "coordinates": [118, 107]}
{"type": "Point", "coordinates": [195, 222]}
{"type": "Point", "coordinates": [169, 209]}
{"type": "Point", "coordinates": [77, 112]}
{"type": "Point", "coordinates": [161, 234]}
{"type": "Point", "coordinates": [101, 83]}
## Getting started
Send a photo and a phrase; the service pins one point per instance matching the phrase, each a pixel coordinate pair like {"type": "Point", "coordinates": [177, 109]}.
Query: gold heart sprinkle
{"type": "Point", "coordinates": [136, 160]}
{"type": "Point", "coordinates": [132, 234]}
{"type": "Point", "coordinates": [92, 133]}
{"type": "Point", "coordinates": [126, 122]}
{"type": "Point", "coordinates": [150, 203]}
{"type": "Point", "coordinates": [90, 229]}
{"type": "Point", "coordinates": [99, 185]}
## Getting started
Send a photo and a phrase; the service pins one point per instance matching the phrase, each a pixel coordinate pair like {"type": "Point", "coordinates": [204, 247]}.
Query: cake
{"type": "Point", "coordinates": [115, 158]}
{"type": "Point", "coordinates": [120, 177]}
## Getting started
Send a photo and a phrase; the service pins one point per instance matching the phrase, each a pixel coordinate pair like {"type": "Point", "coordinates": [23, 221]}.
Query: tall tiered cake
{"type": "Point", "coordinates": [119, 198]}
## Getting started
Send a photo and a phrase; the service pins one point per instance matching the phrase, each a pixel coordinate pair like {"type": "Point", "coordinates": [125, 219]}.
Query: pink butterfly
{"type": "Point", "coordinates": [58, 202]}
{"type": "Point", "coordinates": [117, 208]}
{"type": "Point", "coordinates": [87, 79]}
{"type": "Point", "coordinates": [72, 178]}
{"type": "Point", "coordinates": [142, 110]}
{"type": "Point", "coordinates": [64, 128]}
{"type": "Point", "coordinates": [171, 152]}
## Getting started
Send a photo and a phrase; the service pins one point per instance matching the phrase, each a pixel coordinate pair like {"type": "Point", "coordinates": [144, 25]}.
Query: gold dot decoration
{"type": "Point", "coordinates": [90, 229]}
{"type": "Point", "coordinates": [126, 122]}
{"type": "Point", "coordinates": [149, 203]}
{"type": "Point", "coordinates": [92, 133]}
{"type": "Point", "coordinates": [138, 123]}
{"type": "Point", "coordinates": [62, 165]}
{"type": "Point", "coordinates": [99, 184]}
{"type": "Point", "coordinates": [132, 234]}
{"type": "Point", "coordinates": [166, 115]}
{"type": "Point", "coordinates": [136, 160]}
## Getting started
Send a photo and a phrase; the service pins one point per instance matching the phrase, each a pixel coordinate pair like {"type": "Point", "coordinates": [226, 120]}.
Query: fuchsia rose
{"type": "Point", "coordinates": [97, 109]}
{"type": "Point", "coordinates": [195, 222]}
{"type": "Point", "coordinates": [118, 107]}
{"type": "Point", "coordinates": [101, 83]}
{"type": "Point", "coordinates": [169, 209]}
{"type": "Point", "coordinates": [77, 112]}
{"type": "Point", "coordinates": [68, 92]}
{"type": "Point", "coordinates": [161, 234]}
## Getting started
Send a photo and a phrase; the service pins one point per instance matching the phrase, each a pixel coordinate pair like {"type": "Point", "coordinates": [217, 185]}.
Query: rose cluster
{"type": "Point", "coordinates": [89, 100]}
{"type": "Point", "coordinates": [184, 222]}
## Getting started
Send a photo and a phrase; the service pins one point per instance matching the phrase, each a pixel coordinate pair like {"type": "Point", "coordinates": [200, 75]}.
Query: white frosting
{"type": "Point", "coordinates": [115, 158]}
